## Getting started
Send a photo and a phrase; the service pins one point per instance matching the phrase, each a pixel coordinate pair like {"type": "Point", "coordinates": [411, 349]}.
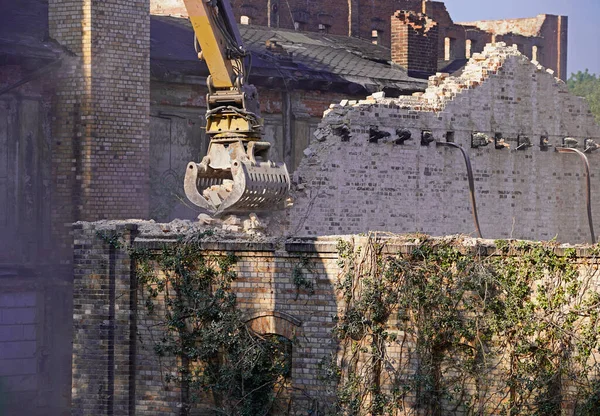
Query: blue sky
{"type": "Point", "coordinates": [584, 22]}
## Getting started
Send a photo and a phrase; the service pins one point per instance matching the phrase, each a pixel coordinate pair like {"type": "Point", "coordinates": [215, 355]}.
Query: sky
{"type": "Point", "coordinates": [584, 23]}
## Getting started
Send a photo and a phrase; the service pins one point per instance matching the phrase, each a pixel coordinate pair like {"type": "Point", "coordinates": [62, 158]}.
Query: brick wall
{"type": "Point", "coordinates": [35, 341]}
{"type": "Point", "coordinates": [414, 42]}
{"type": "Point", "coordinates": [115, 368]}
{"type": "Point", "coordinates": [548, 33]}
{"type": "Point", "coordinates": [364, 184]}
{"type": "Point", "coordinates": [18, 346]}
{"type": "Point", "coordinates": [177, 136]}
{"type": "Point", "coordinates": [358, 18]}
{"type": "Point", "coordinates": [104, 333]}
{"type": "Point", "coordinates": [102, 109]}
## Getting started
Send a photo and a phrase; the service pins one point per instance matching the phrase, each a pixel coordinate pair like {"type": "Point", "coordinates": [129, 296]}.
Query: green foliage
{"type": "Point", "coordinates": [504, 334]}
{"type": "Point", "coordinates": [300, 280]}
{"type": "Point", "coordinates": [587, 85]}
{"type": "Point", "coordinates": [219, 360]}
{"type": "Point", "coordinates": [111, 238]}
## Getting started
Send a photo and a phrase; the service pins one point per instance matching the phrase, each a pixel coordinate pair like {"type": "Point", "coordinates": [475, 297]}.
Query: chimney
{"type": "Point", "coordinates": [415, 42]}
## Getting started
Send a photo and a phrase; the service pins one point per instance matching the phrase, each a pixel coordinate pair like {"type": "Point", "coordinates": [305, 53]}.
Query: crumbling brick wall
{"type": "Point", "coordinates": [414, 42]}
{"type": "Point", "coordinates": [115, 368]}
{"type": "Point", "coordinates": [547, 34]}
{"type": "Point", "coordinates": [543, 38]}
{"type": "Point", "coordinates": [358, 177]}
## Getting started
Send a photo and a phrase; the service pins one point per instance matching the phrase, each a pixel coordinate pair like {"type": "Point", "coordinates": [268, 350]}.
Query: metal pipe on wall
{"type": "Point", "coordinates": [588, 198]}
{"type": "Point", "coordinates": [471, 182]}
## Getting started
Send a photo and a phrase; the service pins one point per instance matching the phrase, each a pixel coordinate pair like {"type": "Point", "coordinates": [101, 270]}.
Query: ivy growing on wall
{"type": "Point", "coordinates": [206, 349]}
{"type": "Point", "coordinates": [441, 330]}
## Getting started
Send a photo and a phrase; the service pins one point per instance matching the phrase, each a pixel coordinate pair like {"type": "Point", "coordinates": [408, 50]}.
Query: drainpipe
{"type": "Point", "coordinates": [588, 192]}
{"type": "Point", "coordinates": [471, 183]}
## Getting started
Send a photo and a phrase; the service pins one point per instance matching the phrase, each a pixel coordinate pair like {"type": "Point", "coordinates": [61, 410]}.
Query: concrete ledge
{"type": "Point", "coordinates": [239, 246]}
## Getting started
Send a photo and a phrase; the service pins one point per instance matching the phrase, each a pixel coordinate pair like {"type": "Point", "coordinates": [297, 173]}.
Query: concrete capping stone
{"type": "Point", "coordinates": [311, 246]}
{"type": "Point", "coordinates": [238, 246]}
{"type": "Point", "coordinates": [126, 227]}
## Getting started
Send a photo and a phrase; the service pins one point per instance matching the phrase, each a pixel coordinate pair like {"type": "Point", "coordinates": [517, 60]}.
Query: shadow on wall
{"type": "Point", "coordinates": [292, 295]}
{"type": "Point", "coordinates": [2, 399]}
{"type": "Point", "coordinates": [176, 138]}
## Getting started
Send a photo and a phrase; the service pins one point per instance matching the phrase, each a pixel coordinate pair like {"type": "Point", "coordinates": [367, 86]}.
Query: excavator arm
{"type": "Point", "coordinates": [218, 39]}
{"type": "Point", "coordinates": [236, 175]}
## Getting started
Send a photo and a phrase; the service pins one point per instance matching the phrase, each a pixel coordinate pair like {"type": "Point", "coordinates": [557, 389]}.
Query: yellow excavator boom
{"type": "Point", "coordinates": [212, 43]}
{"type": "Point", "coordinates": [236, 175]}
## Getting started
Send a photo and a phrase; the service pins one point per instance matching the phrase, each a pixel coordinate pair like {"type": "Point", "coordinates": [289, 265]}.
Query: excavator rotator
{"type": "Point", "coordinates": [236, 175]}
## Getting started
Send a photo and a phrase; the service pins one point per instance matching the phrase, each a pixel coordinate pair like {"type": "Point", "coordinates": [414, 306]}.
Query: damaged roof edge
{"type": "Point", "coordinates": [300, 60]}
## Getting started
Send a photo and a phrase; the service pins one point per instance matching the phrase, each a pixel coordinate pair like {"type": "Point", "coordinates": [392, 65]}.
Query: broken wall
{"type": "Point", "coordinates": [116, 369]}
{"type": "Point", "coordinates": [358, 177]}
{"type": "Point", "coordinates": [543, 38]}
{"type": "Point", "coordinates": [177, 136]}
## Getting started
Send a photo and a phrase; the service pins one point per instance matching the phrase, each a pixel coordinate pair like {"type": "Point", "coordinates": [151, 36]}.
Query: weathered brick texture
{"type": "Point", "coordinates": [104, 332]}
{"type": "Point", "coordinates": [414, 42]}
{"type": "Point", "coordinates": [546, 33]}
{"type": "Point", "coordinates": [359, 184]}
{"type": "Point", "coordinates": [101, 129]}
{"type": "Point", "coordinates": [115, 368]}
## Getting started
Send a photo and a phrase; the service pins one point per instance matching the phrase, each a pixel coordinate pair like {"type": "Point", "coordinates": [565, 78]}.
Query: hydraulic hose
{"type": "Point", "coordinates": [471, 183]}
{"type": "Point", "coordinates": [588, 192]}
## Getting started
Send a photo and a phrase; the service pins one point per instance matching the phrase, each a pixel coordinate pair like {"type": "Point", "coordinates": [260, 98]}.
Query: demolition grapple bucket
{"type": "Point", "coordinates": [234, 178]}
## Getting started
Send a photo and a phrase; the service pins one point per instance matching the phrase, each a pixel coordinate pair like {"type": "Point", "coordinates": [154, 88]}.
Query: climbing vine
{"type": "Point", "coordinates": [299, 278]}
{"type": "Point", "coordinates": [441, 330]}
{"type": "Point", "coordinates": [206, 349]}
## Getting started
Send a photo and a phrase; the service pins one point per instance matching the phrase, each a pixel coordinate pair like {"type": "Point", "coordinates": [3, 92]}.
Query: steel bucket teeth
{"type": "Point", "coordinates": [248, 187]}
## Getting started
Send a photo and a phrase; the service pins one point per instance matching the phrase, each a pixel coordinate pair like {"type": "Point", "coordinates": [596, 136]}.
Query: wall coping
{"type": "Point", "coordinates": [153, 236]}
